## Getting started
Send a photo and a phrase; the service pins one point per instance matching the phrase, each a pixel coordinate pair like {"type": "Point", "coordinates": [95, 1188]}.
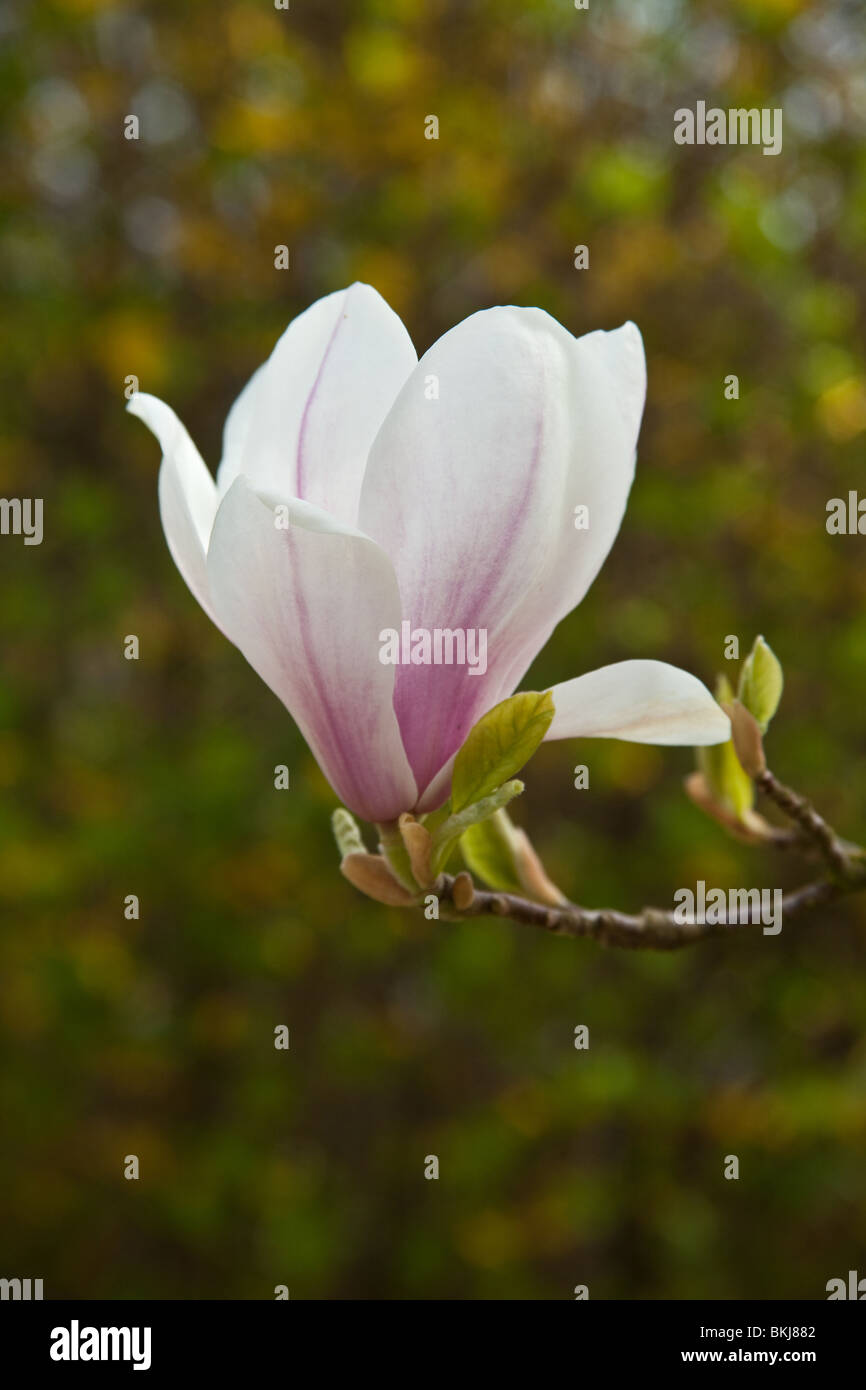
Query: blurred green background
{"type": "Point", "coordinates": [155, 1037]}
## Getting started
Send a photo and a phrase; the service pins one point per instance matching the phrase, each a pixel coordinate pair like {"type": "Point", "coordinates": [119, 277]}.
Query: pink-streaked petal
{"type": "Point", "coordinates": [187, 494]}
{"type": "Point", "coordinates": [306, 606]}
{"type": "Point", "coordinates": [438, 790]}
{"type": "Point", "coordinates": [608, 388]}
{"type": "Point", "coordinates": [640, 701]}
{"type": "Point", "coordinates": [303, 425]}
{"type": "Point", "coordinates": [473, 496]}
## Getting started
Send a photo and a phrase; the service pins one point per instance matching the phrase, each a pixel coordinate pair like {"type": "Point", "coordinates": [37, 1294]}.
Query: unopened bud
{"type": "Point", "coordinates": [747, 739]}
{"type": "Point", "coordinates": [370, 874]}
{"type": "Point", "coordinates": [532, 872]}
{"type": "Point", "coordinates": [463, 891]}
{"type": "Point", "coordinates": [346, 832]}
{"type": "Point", "coordinates": [747, 826]}
{"type": "Point", "coordinates": [419, 847]}
{"type": "Point", "coordinates": [761, 682]}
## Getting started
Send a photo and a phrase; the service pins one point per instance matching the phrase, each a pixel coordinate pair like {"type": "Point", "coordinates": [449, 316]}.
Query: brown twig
{"type": "Point", "coordinates": [658, 928]}
{"type": "Point", "coordinates": [652, 929]}
{"type": "Point", "coordinates": [813, 826]}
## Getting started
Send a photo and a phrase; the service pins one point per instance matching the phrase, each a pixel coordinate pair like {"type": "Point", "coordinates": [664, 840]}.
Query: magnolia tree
{"type": "Point", "coordinates": [338, 549]}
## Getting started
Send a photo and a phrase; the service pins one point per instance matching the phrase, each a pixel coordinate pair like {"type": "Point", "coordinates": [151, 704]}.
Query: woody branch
{"type": "Point", "coordinates": [657, 928]}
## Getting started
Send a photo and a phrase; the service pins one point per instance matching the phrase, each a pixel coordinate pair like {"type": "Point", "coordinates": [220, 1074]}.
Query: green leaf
{"type": "Point", "coordinates": [724, 691]}
{"type": "Point", "coordinates": [346, 832]}
{"type": "Point", "coordinates": [499, 744]}
{"type": "Point", "coordinates": [761, 682]}
{"type": "Point", "coordinates": [449, 832]}
{"type": "Point", "coordinates": [727, 781]}
{"type": "Point", "coordinates": [395, 852]}
{"type": "Point", "coordinates": [487, 849]}
{"type": "Point", "coordinates": [434, 819]}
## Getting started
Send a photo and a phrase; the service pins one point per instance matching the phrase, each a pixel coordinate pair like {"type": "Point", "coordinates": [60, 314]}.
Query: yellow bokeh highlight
{"type": "Point", "coordinates": [842, 409]}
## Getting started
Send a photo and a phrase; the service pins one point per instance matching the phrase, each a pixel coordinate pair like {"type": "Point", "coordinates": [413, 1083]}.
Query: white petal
{"type": "Point", "coordinates": [303, 425]}
{"type": "Point", "coordinates": [306, 606]}
{"type": "Point", "coordinates": [607, 389]}
{"type": "Point", "coordinates": [640, 701]}
{"type": "Point", "coordinates": [472, 494]}
{"type": "Point", "coordinates": [236, 429]}
{"type": "Point", "coordinates": [187, 494]}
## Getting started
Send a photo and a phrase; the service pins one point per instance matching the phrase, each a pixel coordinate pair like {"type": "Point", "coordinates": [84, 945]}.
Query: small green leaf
{"type": "Point", "coordinates": [434, 819]}
{"type": "Point", "coordinates": [724, 691]}
{"type": "Point", "coordinates": [346, 832]}
{"type": "Point", "coordinates": [761, 682]}
{"type": "Point", "coordinates": [725, 778]}
{"type": "Point", "coordinates": [499, 744]}
{"type": "Point", "coordinates": [450, 830]}
{"type": "Point", "coordinates": [395, 852]}
{"type": "Point", "coordinates": [487, 849]}
{"type": "Point", "coordinates": [727, 781]}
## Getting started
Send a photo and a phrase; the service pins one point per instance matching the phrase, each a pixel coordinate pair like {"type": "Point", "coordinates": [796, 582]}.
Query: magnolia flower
{"type": "Point", "coordinates": [441, 493]}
